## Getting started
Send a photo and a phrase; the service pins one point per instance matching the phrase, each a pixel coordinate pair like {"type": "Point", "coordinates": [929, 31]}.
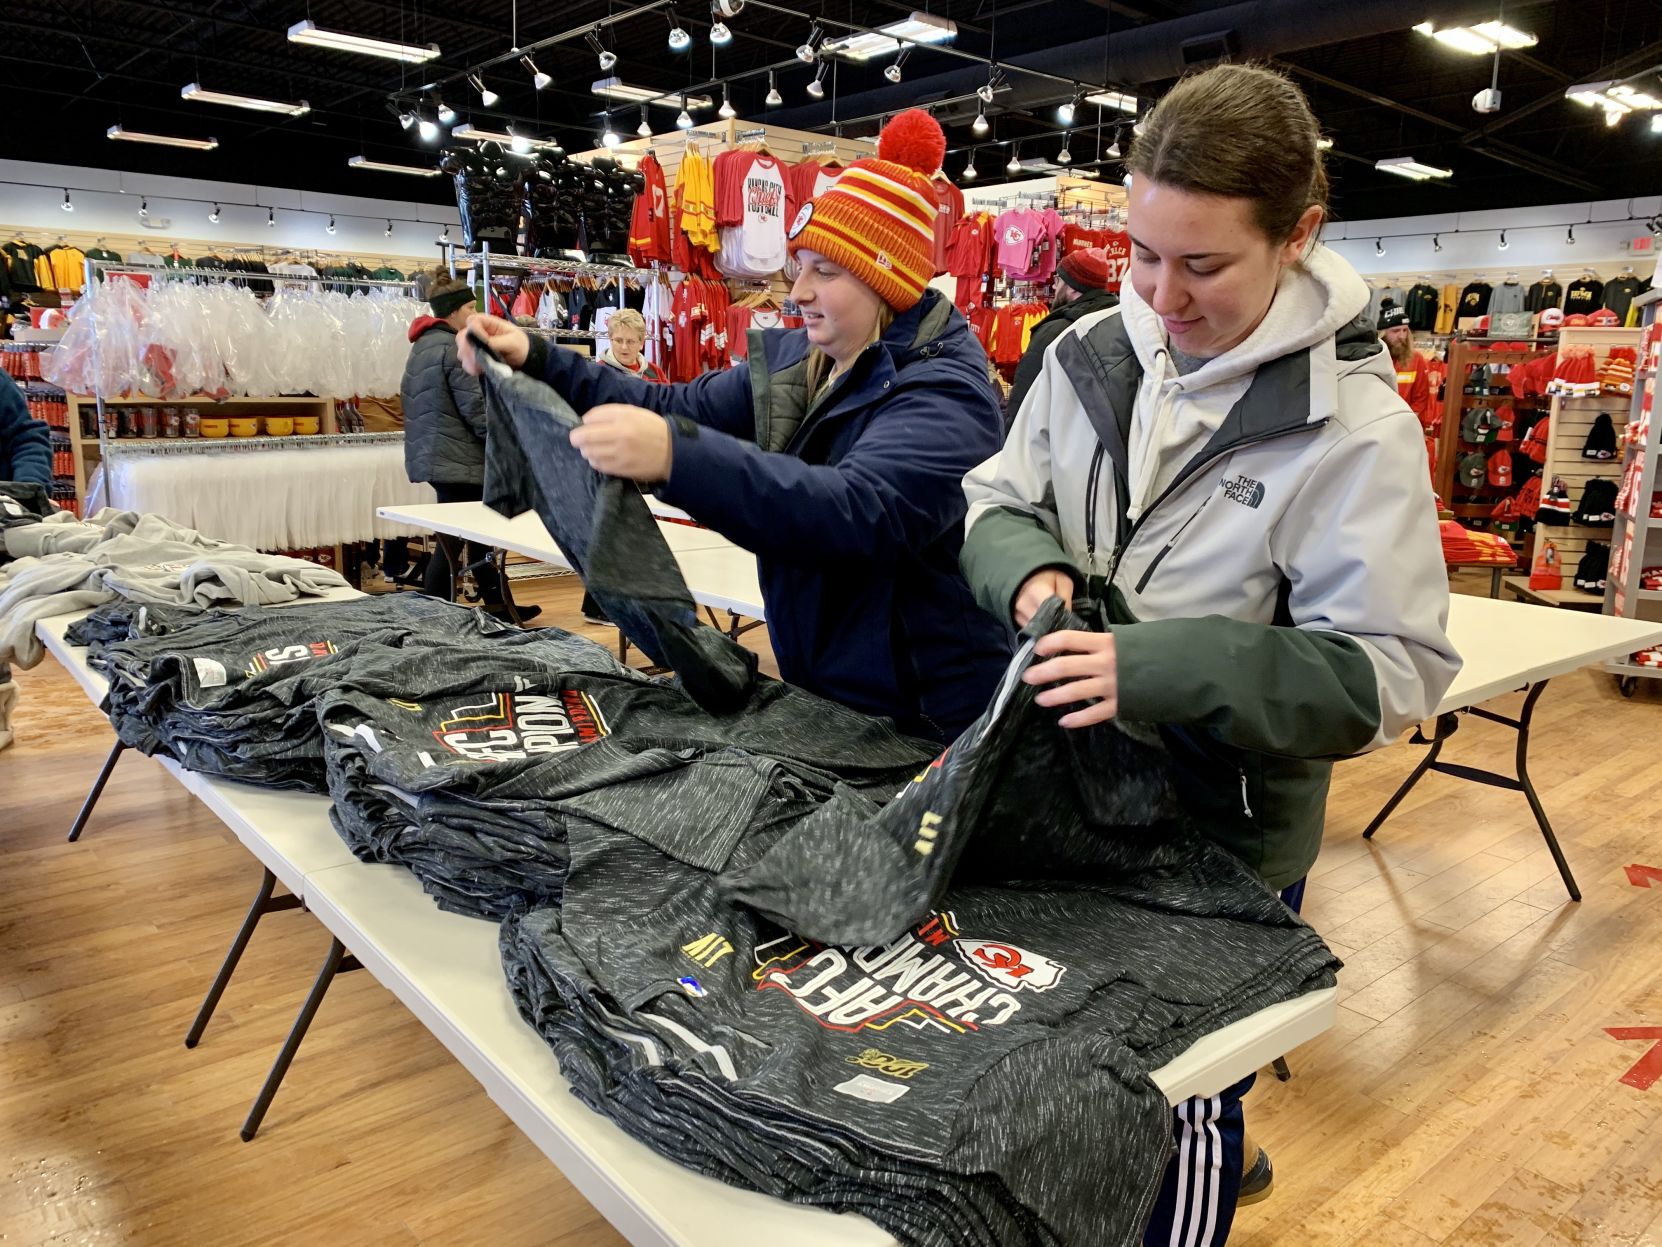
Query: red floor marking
{"type": "Point", "coordinates": [1648, 1068]}
{"type": "Point", "coordinates": [1641, 876]}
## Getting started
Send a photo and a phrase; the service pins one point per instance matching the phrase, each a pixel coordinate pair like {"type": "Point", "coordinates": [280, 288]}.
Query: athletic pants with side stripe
{"type": "Point", "coordinates": [1196, 1206]}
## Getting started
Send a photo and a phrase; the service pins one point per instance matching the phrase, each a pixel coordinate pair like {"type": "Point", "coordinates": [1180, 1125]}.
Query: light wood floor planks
{"type": "Point", "coordinates": [1467, 1095]}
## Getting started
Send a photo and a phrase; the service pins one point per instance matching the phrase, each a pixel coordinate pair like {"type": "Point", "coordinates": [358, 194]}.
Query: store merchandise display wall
{"type": "Point", "coordinates": [742, 965]}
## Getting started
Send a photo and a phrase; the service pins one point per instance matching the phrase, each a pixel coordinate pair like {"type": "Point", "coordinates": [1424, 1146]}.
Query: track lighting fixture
{"type": "Point", "coordinates": [66, 205]}
{"type": "Point", "coordinates": [806, 51]}
{"type": "Point", "coordinates": [487, 97]}
{"type": "Point", "coordinates": [684, 120]}
{"type": "Point", "coordinates": [774, 99]}
{"type": "Point", "coordinates": [1065, 113]}
{"type": "Point", "coordinates": [538, 78]}
{"type": "Point", "coordinates": [985, 92]}
{"type": "Point", "coordinates": [602, 53]}
{"type": "Point", "coordinates": [406, 119]}
{"type": "Point", "coordinates": [969, 167]}
{"type": "Point", "coordinates": [679, 39]}
{"type": "Point", "coordinates": [445, 237]}
{"type": "Point", "coordinates": [1379, 246]}
{"type": "Point", "coordinates": [892, 72]}
{"type": "Point", "coordinates": [608, 137]}
{"type": "Point", "coordinates": [816, 88]}
{"type": "Point", "coordinates": [428, 129]}
{"type": "Point", "coordinates": [1436, 242]}
{"type": "Point", "coordinates": [271, 218]}
{"type": "Point", "coordinates": [1113, 152]}
{"type": "Point", "coordinates": [645, 127]}
{"type": "Point", "coordinates": [1569, 236]}
{"type": "Point", "coordinates": [447, 114]}
{"type": "Point", "coordinates": [726, 112]}
{"type": "Point", "coordinates": [1065, 157]}
{"type": "Point", "coordinates": [979, 125]}
{"type": "Point", "coordinates": [330, 228]}
{"type": "Point", "coordinates": [720, 36]}
{"type": "Point", "coordinates": [389, 229]}
{"type": "Point", "coordinates": [213, 217]}
{"type": "Point", "coordinates": [144, 208]}
{"type": "Point", "coordinates": [518, 142]}
{"type": "Point", "coordinates": [1015, 160]}
{"type": "Point", "coordinates": [1503, 243]}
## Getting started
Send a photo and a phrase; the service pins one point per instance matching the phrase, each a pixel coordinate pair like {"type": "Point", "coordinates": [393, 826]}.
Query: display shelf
{"type": "Point", "coordinates": [1570, 599]}
{"type": "Point", "coordinates": [1630, 541]}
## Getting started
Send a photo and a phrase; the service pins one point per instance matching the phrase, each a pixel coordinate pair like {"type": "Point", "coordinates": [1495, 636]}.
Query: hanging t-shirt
{"type": "Point", "coordinates": [1117, 244]}
{"type": "Point", "coordinates": [1585, 296]}
{"type": "Point", "coordinates": [1017, 231]}
{"type": "Point", "coordinates": [1474, 299]}
{"type": "Point", "coordinates": [949, 208]}
{"type": "Point", "coordinates": [1542, 295]}
{"type": "Point", "coordinates": [1507, 297]}
{"type": "Point", "coordinates": [1619, 293]}
{"type": "Point", "coordinates": [763, 226]}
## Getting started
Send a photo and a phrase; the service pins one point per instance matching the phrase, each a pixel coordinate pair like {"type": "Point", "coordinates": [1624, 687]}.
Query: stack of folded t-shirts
{"type": "Point", "coordinates": [232, 692]}
{"type": "Point", "coordinates": [941, 1012]}
{"type": "Point", "coordinates": [1463, 545]}
{"type": "Point", "coordinates": [471, 771]}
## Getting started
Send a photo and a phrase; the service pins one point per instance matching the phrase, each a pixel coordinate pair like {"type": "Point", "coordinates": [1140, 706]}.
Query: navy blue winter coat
{"type": "Point", "coordinates": [854, 508]}
{"type": "Point", "coordinates": [25, 443]}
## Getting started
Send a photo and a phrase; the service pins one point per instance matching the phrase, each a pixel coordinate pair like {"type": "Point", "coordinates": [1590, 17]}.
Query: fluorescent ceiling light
{"type": "Point", "coordinates": [195, 92]}
{"type": "Point", "coordinates": [163, 140]}
{"type": "Point", "coordinates": [1481, 39]}
{"type": "Point", "coordinates": [1114, 99]}
{"type": "Point", "coordinates": [1325, 145]}
{"type": "Point", "coordinates": [507, 140]}
{"type": "Point", "coordinates": [1408, 167]}
{"type": "Point", "coordinates": [375, 166]}
{"type": "Point", "coordinates": [617, 89]}
{"type": "Point", "coordinates": [1617, 99]}
{"type": "Point", "coordinates": [918, 28]}
{"type": "Point", "coordinates": [340, 41]}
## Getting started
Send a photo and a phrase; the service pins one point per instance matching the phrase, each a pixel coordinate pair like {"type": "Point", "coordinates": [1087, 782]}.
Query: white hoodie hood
{"type": "Point", "coordinates": [1175, 415]}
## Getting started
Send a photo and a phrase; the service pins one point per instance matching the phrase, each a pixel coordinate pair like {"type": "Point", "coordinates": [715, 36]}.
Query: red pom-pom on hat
{"type": "Point", "coordinates": [914, 139]}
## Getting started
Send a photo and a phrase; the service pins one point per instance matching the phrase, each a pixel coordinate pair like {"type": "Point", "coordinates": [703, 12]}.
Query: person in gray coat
{"type": "Point", "coordinates": [444, 436]}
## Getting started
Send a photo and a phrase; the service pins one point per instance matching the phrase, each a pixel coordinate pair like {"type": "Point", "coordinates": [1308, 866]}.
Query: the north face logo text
{"type": "Point", "coordinates": [1244, 490]}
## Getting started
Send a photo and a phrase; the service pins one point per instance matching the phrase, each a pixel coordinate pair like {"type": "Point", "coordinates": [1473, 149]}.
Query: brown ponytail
{"type": "Point", "coordinates": [1239, 132]}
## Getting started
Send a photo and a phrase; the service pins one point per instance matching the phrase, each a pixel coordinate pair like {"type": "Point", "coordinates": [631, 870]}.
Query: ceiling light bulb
{"type": "Point", "coordinates": [1503, 243]}
{"type": "Point", "coordinates": [1569, 236]}
{"type": "Point", "coordinates": [608, 59]}
{"type": "Point", "coordinates": [539, 79]}
{"type": "Point", "coordinates": [1114, 150]}
{"type": "Point", "coordinates": [447, 114]}
{"type": "Point", "coordinates": [428, 130]}
{"type": "Point", "coordinates": [487, 97]}
{"type": "Point", "coordinates": [1436, 242]}
{"type": "Point", "coordinates": [66, 205]}
{"type": "Point", "coordinates": [406, 120]}
{"type": "Point", "coordinates": [389, 229]}
{"type": "Point", "coordinates": [816, 88]}
{"type": "Point", "coordinates": [805, 51]}
{"type": "Point", "coordinates": [969, 169]}
{"type": "Point", "coordinates": [518, 142]}
{"type": "Point", "coordinates": [609, 138]}
{"type": "Point", "coordinates": [985, 93]}
{"type": "Point", "coordinates": [1014, 166]}
{"type": "Point", "coordinates": [330, 228]}
{"type": "Point", "coordinates": [213, 217]}
{"type": "Point", "coordinates": [679, 39]}
{"type": "Point", "coordinates": [684, 120]}
{"type": "Point", "coordinates": [1064, 157]}
{"type": "Point", "coordinates": [726, 111]}
{"type": "Point", "coordinates": [1379, 246]}
{"type": "Point", "coordinates": [1064, 114]}
{"type": "Point", "coordinates": [271, 218]}
{"type": "Point", "coordinates": [720, 35]}
{"type": "Point", "coordinates": [144, 208]}
{"type": "Point", "coordinates": [892, 72]}
{"type": "Point", "coordinates": [774, 99]}
{"type": "Point", "coordinates": [979, 125]}
{"type": "Point", "coordinates": [445, 237]}
{"type": "Point", "coordinates": [645, 128]}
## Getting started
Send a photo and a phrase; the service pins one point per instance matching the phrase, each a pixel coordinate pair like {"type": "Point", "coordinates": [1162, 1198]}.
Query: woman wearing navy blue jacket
{"type": "Point", "coordinates": [25, 443]}
{"type": "Point", "coordinates": [836, 454]}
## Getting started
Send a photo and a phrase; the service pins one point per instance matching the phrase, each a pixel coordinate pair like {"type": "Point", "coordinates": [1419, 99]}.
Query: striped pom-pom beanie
{"type": "Point", "coordinates": [878, 218]}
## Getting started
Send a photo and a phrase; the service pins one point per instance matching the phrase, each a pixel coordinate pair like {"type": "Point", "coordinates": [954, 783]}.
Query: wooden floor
{"type": "Point", "coordinates": [1468, 1095]}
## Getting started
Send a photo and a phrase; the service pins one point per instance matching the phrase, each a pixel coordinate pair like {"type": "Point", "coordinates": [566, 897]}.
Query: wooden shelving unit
{"type": "Point", "coordinates": [1636, 539]}
{"type": "Point", "coordinates": [85, 448]}
{"type": "Point", "coordinates": [1476, 504]}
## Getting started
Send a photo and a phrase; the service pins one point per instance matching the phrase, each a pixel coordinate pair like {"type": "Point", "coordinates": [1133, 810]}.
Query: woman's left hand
{"type": "Point", "coordinates": [625, 441]}
{"type": "Point", "coordinates": [1086, 660]}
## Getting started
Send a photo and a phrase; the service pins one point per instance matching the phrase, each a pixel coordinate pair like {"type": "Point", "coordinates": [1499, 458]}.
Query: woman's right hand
{"type": "Point", "coordinates": [1040, 587]}
{"type": "Point", "coordinates": [507, 339]}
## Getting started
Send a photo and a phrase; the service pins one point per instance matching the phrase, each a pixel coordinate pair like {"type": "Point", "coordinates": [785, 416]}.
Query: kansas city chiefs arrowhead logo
{"type": "Point", "coordinates": [802, 219]}
{"type": "Point", "coordinates": [1009, 966]}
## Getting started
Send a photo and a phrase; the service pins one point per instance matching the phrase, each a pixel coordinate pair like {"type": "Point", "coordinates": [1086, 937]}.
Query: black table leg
{"type": "Point", "coordinates": [264, 903]}
{"type": "Point", "coordinates": [337, 962]}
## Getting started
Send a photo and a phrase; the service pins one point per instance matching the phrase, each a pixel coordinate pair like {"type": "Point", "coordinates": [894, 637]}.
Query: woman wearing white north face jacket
{"type": "Point", "coordinates": [1222, 468]}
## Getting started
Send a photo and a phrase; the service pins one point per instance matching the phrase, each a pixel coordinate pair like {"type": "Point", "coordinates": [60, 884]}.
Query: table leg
{"type": "Point", "coordinates": [264, 903]}
{"type": "Point", "coordinates": [97, 791]}
{"type": "Point", "coordinates": [1528, 786]}
{"type": "Point", "coordinates": [1447, 724]}
{"type": "Point", "coordinates": [1494, 581]}
{"type": "Point", "coordinates": [337, 962]}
